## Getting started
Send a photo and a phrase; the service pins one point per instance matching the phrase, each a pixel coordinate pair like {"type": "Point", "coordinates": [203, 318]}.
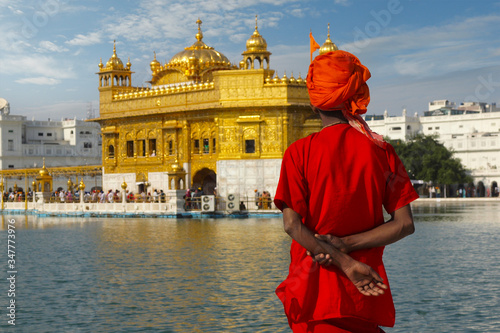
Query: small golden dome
{"type": "Point", "coordinates": [328, 45]}
{"type": "Point", "coordinates": [128, 63]}
{"type": "Point", "coordinates": [155, 64]}
{"type": "Point", "coordinates": [256, 43]}
{"type": "Point", "coordinates": [276, 78]}
{"type": "Point", "coordinates": [268, 78]}
{"type": "Point", "coordinates": [114, 62]}
{"type": "Point", "coordinates": [43, 172]}
{"type": "Point", "coordinates": [284, 79]}
{"type": "Point", "coordinates": [176, 167]}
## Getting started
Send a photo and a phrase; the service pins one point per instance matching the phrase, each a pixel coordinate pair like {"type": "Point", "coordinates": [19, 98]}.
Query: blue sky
{"type": "Point", "coordinates": [416, 50]}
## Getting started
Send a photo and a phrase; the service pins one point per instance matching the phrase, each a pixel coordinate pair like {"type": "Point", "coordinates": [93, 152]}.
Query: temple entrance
{"type": "Point", "coordinates": [480, 190]}
{"type": "Point", "coordinates": [494, 189]}
{"type": "Point", "coordinates": [205, 179]}
{"type": "Point", "coordinates": [142, 183]}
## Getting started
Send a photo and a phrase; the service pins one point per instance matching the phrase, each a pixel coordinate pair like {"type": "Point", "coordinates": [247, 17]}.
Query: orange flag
{"type": "Point", "coordinates": [314, 46]}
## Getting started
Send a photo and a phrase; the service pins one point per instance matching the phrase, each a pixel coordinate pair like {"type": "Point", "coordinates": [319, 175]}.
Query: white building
{"type": "Point", "coordinates": [69, 142]}
{"type": "Point", "coordinates": [471, 130]}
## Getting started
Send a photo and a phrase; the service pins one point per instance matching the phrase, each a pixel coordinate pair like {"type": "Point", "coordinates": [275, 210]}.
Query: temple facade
{"type": "Point", "coordinates": [227, 126]}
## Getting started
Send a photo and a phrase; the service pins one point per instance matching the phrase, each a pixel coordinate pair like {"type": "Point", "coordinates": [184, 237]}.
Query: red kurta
{"type": "Point", "coordinates": [339, 182]}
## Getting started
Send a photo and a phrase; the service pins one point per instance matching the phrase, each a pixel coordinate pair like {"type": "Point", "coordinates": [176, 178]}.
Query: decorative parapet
{"type": "Point", "coordinates": [163, 90]}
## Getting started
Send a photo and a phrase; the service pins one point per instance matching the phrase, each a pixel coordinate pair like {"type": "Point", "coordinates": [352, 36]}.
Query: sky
{"type": "Point", "coordinates": [417, 50]}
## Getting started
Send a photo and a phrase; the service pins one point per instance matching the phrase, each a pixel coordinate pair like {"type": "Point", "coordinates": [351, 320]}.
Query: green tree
{"type": "Point", "coordinates": [427, 159]}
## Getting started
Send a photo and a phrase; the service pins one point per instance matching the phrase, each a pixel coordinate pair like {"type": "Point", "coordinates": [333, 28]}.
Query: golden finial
{"type": "Point", "coordinates": [255, 22]}
{"type": "Point", "coordinates": [299, 79]}
{"type": "Point", "coordinates": [199, 35]}
{"type": "Point", "coordinates": [328, 45]}
{"type": "Point", "coordinates": [284, 79]}
{"type": "Point", "coordinates": [114, 48]}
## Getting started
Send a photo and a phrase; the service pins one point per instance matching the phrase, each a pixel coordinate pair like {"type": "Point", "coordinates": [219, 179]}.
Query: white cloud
{"type": "Point", "coordinates": [431, 50]}
{"type": "Point", "coordinates": [298, 12]}
{"type": "Point", "coordinates": [46, 46]}
{"type": "Point", "coordinates": [342, 2]}
{"type": "Point", "coordinates": [41, 80]}
{"type": "Point", "coordinates": [16, 11]}
{"type": "Point", "coordinates": [82, 40]}
{"type": "Point", "coordinates": [42, 66]}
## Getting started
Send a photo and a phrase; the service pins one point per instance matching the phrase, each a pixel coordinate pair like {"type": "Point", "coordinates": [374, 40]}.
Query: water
{"type": "Point", "coordinates": [219, 275]}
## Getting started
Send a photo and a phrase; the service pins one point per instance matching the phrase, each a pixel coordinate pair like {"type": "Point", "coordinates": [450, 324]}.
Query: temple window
{"type": "Point", "coordinates": [11, 145]}
{"type": "Point", "coordinates": [141, 147]}
{"type": "Point", "coordinates": [206, 148]}
{"type": "Point", "coordinates": [196, 149]}
{"type": "Point", "coordinates": [152, 147]}
{"type": "Point", "coordinates": [111, 151]}
{"type": "Point", "coordinates": [130, 148]}
{"type": "Point", "coordinates": [170, 147]}
{"type": "Point", "coordinates": [249, 146]}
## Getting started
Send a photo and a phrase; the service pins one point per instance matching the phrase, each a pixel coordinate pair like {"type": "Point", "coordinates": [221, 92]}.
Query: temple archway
{"type": "Point", "coordinates": [480, 189]}
{"type": "Point", "coordinates": [206, 179]}
{"type": "Point", "coordinates": [494, 189]}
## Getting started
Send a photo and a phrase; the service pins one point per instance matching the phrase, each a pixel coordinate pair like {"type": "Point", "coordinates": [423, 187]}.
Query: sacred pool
{"type": "Point", "coordinates": [83, 274]}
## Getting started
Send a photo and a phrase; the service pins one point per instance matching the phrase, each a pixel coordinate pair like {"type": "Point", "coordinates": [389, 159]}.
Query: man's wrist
{"type": "Point", "coordinates": [345, 262]}
{"type": "Point", "coordinates": [348, 246]}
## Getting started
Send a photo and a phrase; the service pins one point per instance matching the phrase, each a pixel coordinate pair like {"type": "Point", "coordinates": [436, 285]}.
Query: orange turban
{"type": "Point", "coordinates": [338, 77]}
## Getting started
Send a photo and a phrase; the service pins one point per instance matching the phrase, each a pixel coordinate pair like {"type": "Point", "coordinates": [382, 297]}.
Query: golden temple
{"type": "Point", "coordinates": [226, 125]}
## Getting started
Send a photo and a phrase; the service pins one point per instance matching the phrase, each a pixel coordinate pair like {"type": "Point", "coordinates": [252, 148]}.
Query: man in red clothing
{"type": "Point", "coordinates": [333, 188]}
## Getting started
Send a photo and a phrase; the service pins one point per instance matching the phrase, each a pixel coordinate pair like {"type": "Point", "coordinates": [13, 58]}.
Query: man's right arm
{"type": "Point", "coordinates": [399, 226]}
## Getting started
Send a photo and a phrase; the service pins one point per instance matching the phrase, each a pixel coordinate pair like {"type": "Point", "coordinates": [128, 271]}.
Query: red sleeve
{"type": "Point", "coordinates": [292, 186]}
{"type": "Point", "coordinates": [399, 191]}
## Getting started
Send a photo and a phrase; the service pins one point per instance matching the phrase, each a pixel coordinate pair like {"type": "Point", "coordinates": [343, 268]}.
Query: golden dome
{"type": "Point", "coordinates": [176, 167]}
{"type": "Point", "coordinates": [114, 62]}
{"type": "Point", "coordinates": [43, 172]}
{"type": "Point", "coordinates": [199, 54]}
{"type": "Point", "coordinates": [155, 64]}
{"type": "Point", "coordinates": [328, 45]}
{"type": "Point", "coordinates": [256, 43]}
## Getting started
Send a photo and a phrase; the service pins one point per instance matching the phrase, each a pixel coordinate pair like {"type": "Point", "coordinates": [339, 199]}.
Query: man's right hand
{"type": "Point", "coordinates": [364, 278]}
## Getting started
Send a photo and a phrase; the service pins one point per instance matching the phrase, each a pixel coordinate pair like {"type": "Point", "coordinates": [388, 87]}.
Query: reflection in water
{"type": "Point", "coordinates": [168, 275]}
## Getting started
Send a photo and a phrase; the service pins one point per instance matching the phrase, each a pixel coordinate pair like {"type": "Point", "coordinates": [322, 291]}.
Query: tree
{"type": "Point", "coordinates": [426, 159]}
